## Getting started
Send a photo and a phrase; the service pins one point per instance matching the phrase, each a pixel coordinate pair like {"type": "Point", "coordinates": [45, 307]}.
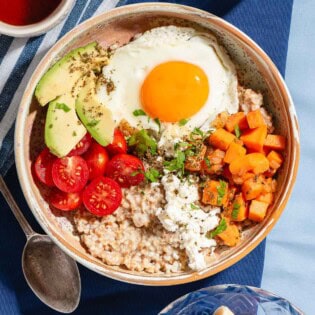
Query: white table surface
{"type": "Point", "coordinates": [290, 254]}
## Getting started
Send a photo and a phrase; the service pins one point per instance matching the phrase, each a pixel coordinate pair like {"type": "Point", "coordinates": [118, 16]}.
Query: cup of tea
{"type": "Point", "coordinates": [27, 18]}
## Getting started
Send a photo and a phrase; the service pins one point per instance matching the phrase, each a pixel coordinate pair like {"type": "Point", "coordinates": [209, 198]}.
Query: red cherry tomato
{"type": "Point", "coordinates": [102, 196]}
{"type": "Point", "coordinates": [43, 166]}
{"type": "Point", "coordinates": [119, 144]}
{"type": "Point", "coordinates": [96, 158]}
{"type": "Point", "coordinates": [127, 170]}
{"type": "Point", "coordinates": [65, 201]}
{"type": "Point", "coordinates": [70, 174]}
{"type": "Point", "coordinates": [82, 146]}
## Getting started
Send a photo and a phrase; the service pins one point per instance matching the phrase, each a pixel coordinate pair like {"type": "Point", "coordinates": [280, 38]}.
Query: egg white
{"type": "Point", "coordinates": [130, 64]}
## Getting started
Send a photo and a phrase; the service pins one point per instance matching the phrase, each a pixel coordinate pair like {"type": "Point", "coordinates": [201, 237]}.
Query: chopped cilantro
{"type": "Point", "coordinates": [236, 210]}
{"type": "Point", "coordinates": [221, 191]}
{"type": "Point", "coordinates": [207, 161]}
{"type": "Point", "coordinates": [197, 131]}
{"type": "Point", "coordinates": [50, 126]}
{"type": "Point", "coordinates": [93, 123]}
{"type": "Point", "coordinates": [194, 207]}
{"type": "Point", "coordinates": [152, 175]}
{"type": "Point", "coordinates": [237, 131]}
{"type": "Point", "coordinates": [219, 229]}
{"type": "Point", "coordinates": [157, 121]}
{"type": "Point", "coordinates": [135, 173]}
{"type": "Point", "coordinates": [177, 164]}
{"type": "Point", "coordinates": [142, 142]}
{"type": "Point", "coordinates": [63, 106]}
{"type": "Point", "coordinates": [139, 112]}
{"type": "Point", "coordinates": [183, 122]}
{"type": "Point", "coordinates": [74, 134]}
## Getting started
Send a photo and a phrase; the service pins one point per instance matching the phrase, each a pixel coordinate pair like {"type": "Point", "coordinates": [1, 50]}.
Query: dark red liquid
{"type": "Point", "coordinates": [23, 12]}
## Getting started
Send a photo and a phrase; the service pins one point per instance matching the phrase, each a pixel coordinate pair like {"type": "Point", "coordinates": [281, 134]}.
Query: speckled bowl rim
{"type": "Point", "coordinates": [21, 159]}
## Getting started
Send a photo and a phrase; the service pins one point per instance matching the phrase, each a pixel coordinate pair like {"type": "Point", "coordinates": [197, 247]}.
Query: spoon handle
{"type": "Point", "coordinates": [15, 208]}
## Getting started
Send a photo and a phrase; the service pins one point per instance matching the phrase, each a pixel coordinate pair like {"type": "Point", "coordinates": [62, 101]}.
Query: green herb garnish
{"type": "Point", "coordinates": [207, 161]}
{"type": "Point", "coordinates": [236, 210]}
{"type": "Point", "coordinates": [221, 191]}
{"type": "Point", "coordinates": [142, 142]}
{"type": "Point", "coordinates": [74, 134]}
{"type": "Point", "coordinates": [177, 164]}
{"type": "Point", "coordinates": [183, 122]}
{"type": "Point", "coordinates": [152, 175]}
{"type": "Point", "coordinates": [219, 229]}
{"type": "Point", "coordinates": [193, 206]}
{"type": "Point", "coordinates": [139, 112]}
{"type": "Point", "coordinates": [63, 106]}
{"type": "Point", "coordinates": [237, 131]}
{"type": "Point", "coordinates": [93, 123]}
{"type": "Point", "coordinates": [157, 121]}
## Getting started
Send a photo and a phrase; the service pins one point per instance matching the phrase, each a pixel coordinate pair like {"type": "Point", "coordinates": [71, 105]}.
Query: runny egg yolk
{"type": "Point", "coordinates": [174, 90]}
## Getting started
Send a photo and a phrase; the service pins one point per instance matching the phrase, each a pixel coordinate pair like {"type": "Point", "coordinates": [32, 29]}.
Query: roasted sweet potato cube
{"type": "Point", "coordinates": [194, 163]}
{"type": "Point", "coordinates": [238, 119]}
{"type": "Point", "coordinates": [221, 139]}
{"type": "Point", "coordinates": [215, 193]}
{"type": "Point", "coordinates": [255, 119]}
{"type": "Point", "coordinates": [257, 210]}
{"type": "Point", "coordinates": [239, 208]}
{"type": "Point", "coordinates": [231, 235]}
{"type": "Point", "coordinates": [275, 142]}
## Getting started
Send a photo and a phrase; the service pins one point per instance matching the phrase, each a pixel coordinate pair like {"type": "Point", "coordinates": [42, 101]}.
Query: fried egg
{"type": "Point", "coordinates": [171, 73]}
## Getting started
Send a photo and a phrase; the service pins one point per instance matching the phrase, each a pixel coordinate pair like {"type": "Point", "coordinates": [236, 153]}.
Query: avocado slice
{"type": "Point", "coordinates": [95, 116]}
{"type": "Point", "coordinates": [63, 75]}
{"type": "Point", "coordinates": [63, 129]}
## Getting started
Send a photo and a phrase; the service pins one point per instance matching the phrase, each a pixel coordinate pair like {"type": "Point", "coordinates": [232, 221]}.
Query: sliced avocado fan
{"type": "Point", "coordinates": [64, 74]}
{"type": "Point", "coordinates": [95, 116]}
{"type": "Point", "coordinates": [63, 129]}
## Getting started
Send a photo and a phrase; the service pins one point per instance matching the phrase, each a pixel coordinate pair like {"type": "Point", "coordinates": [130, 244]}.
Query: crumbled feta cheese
{"type": "Point", "coordinates": [192, 224]}
{"type": "Point", "coordinates": [171, 134]}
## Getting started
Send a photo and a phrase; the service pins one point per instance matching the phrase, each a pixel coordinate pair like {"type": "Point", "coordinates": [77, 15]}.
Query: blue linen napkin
{"type": "Point", "coordinates": [267, 22]}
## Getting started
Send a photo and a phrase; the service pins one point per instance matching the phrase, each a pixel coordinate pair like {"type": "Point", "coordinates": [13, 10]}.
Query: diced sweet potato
{"type": "Point", "coordinates": [238, 119]}
{"type": "Point", "coordinates": [215, 193]}
{"type": "Point", "coordinates": [239, 208]}
{"type": "Point", "coordinates": [193, 163]}
{"type": "Point", "coordinates": [213, 161]}
{"type": "Point", "coordinates": [255, 119]}
{"type": "Point", "coordinates": [275, 159]}
{"type": "Point", "coordinates": [231, 236]}
{"type": "Point", "coordinates": [257, 210]}
{"type": "Point", "coordinates": [253, 188]}
{"type": "Point", "coordinates": [221, 139]}
{"type": "Point", "coordinates": [253, 162]}
{"type": "Point", "coordinates": [234, 152]}
{"type": "Point", "coordinates": [254, 138]}
{"type": "Point", "coordinates": [267, 198]}
{"type": "Point", "coordinates": [275, 142]}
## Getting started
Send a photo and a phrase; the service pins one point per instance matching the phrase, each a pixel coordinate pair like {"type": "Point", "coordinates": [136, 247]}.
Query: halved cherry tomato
{"type": "Point", "coordinates": [70, 174]}
{"type": "Point", "coordinates": [82, 146]}
{"type": "Point", "coordinates": [119, 144]}
{"type": "Point", "coordinates": [102, 196]}
{"type": "Point", "coordinates": [65, 201]}
{"type": "Point", "coordinates": [43, 166]}
{"type": "Point", "coordinates": [96, 158]}
{"type": "Point", "coordinates": [127, 170]}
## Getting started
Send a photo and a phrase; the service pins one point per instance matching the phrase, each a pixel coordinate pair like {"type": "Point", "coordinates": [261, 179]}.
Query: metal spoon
{"type": "Point", "coordinates": [51, 274]}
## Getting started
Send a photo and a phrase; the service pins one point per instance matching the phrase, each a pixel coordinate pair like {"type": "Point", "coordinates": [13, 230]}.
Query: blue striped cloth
{"type": "Point", "coordinates": [267, 22]}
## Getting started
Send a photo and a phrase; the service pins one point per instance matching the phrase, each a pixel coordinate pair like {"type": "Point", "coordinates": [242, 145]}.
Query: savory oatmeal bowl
{"type": "Point", "coordinates": [157, 144]}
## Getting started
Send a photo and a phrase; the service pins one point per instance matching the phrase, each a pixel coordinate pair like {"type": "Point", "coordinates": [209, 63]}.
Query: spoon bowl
{"type": "Point", "coordinates": [51, 274]}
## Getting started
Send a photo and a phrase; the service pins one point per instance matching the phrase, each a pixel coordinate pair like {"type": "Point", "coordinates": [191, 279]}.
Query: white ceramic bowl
{"type": "Point", "coordinates": [118, 26]}
{"type": "Point", "coordinates": [40, 27]}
